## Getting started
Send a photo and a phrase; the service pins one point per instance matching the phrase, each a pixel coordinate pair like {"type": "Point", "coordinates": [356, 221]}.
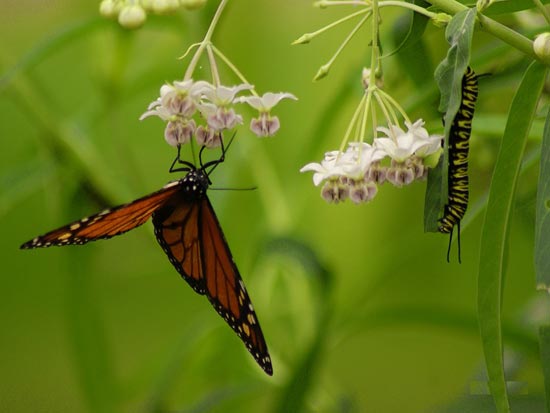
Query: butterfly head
{"type": "Point", "coordinates": [195, 183]}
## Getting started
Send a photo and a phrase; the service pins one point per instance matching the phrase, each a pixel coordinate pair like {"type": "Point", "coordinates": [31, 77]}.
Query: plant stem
{"type": "Point", "coordinates": [206, 41]}
{"type": "Point", "coordinates": [491, 26]}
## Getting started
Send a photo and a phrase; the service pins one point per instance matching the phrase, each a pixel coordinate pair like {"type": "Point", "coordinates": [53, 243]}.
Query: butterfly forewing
{"type": "Point", "coordinates": [226, 289]}
{"type": "Point", "coordinates": [188, 231]}
{"type": "Point", "coordinates": [107, 223]}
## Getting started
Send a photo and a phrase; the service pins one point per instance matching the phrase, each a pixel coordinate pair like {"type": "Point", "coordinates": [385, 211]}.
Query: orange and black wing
{"type": "Point", "coordinates": [107, 223]}
{"type": "Point", "coordinates": [191, 236]}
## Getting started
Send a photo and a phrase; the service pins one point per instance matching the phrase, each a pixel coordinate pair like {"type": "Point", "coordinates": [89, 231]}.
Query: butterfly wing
{"type": "Point", "coordinates": [107, 223]}
{"type": "Point", "coordinates": [191, 236]}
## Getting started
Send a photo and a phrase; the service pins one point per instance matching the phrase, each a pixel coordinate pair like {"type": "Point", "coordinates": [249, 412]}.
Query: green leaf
{"type": "Point", "coordinates": [544, 334]}
{"type": "Point", "coordinates": [52, 44]}
{"type": "Point", "coordinates": [301, 381]}
{"type": "Point", "coordinates": [542, 223]}
{"type": "Point", "coordinates": [410, 50]}
{"type": "Point", "coordinates": [23, 181]}
{"type": "Point", "coordinates": [511, 6]}
{"type": "Point", "coordinates": [448, 76]}
{"type": "Point", "coordinates": [494, 241]}
{"type": "Point", "coordinates": [432, 198]}
{"type": "Point", "coordinates": [92, 351]}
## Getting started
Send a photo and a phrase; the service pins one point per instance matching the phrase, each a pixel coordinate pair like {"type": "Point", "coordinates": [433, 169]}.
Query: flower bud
{"type": "Point", "coordinates": [441, 19]}
{"type": "Point", "coordinates": [165, 6]}
{"type": "Point", "coordinates": [109, 9]}
{"type": "Point", "coordinates": [541, 46]}
{"type": "Point", "coordinates": [132, 17]}
{"type": "Point", "coordinates": [481, 5]}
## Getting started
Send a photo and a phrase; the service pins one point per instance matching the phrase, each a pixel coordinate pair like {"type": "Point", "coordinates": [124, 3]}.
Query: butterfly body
{"type": "Point", "coordinates": [188, 231]}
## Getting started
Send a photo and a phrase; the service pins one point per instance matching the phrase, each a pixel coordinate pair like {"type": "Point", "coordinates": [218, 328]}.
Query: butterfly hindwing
{"type": "Point", "coordinates": [177, 231]}
{"type": "Point", "coordinates": [105, 224]}
{"type": "Point", "coordinates": [190, 234]}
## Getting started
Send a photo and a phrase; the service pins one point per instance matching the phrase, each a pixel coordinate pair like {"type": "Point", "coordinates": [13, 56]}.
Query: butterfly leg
{"type": "Point", "coordinates": [188, 165]}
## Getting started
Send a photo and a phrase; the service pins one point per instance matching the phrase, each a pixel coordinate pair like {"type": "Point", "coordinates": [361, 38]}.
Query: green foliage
{"type": "Point", "coordinates": [542, 225]}
{"type": "Point", "coordinates": [496, 229]}
{"type": "Point", "coordinates": [360, 310]}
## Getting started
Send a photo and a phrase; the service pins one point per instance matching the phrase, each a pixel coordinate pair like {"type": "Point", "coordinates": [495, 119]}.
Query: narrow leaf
{"type": "Point", "coordinates": [494, 241]}
{"type": "Point", "coordinates": [511, 6]}
{"type": "Point", "coordinates": [544, 334]}
{"type": "Point", "coordinates": [92, 351]}
{"type": "Point", "coordinates": [542, 223]}
{"type": "Point", "coordinates": [407, 34]}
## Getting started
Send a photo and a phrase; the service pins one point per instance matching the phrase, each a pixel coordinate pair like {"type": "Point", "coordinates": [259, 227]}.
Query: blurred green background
{"type": "Point", "coordinates": [360, 309]}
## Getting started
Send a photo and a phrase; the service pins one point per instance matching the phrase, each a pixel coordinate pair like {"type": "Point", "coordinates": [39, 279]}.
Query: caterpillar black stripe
{"type": "Point", "coordinates": [459, 144]}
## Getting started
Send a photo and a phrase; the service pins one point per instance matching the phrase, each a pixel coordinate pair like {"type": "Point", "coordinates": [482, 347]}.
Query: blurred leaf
{"type": "Point", "coordinates": [432, 198]}
{"type": "Point", "coordinates": [331, 112]}
{"type": "Point", "coordinates": [297, 388]}
{"type": "Point", "coordinates": [89, 339]}
{"type": "Point", "coordinates": [69, 139]}
{"type": "Point", "coordinates": [448, 76]}
{"type": "Point", "coordinates": [544, 334]}
{"type": "Point", "coordinates": [305, 256]}
{"type": "Point", "coordinates": [52, 43]}
{"type": "Point", "coordinates": [511, 6]}
{"type": "Point", "coordinates": [494, 239]}
{"type": "Point", "coordinates": [493, 124]}
{"type": "Point", "coordinates": [483, 404]}
{"type": "Point", "coordinates": [542, 223]}
{"type": "Point", "coordinates": [23, 181]}
{"type": "Point", "coordinates": [411, 52]}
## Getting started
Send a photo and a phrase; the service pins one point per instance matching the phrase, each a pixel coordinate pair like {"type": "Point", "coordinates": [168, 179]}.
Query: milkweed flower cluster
{"type": "Point", "coordinates": [397, 156]}
{"type": "Point", "coordinates": [131, 14]}
{"type": "Point", "coordinates": [201, 110]}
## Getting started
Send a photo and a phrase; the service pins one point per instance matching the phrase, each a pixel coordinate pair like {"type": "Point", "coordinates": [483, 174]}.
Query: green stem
{"type": "Point", "coordinates": [213, 66]}
{"type": "Point", "coordinates": [206, 41]}
{"type": "Point", "coordinates": [308, 36]}
{"type": "Point", "coordinates": [491, 26]}
{"type": "Point", "coordinates": [343, 45]}
{"type": "Point", "coordinates": [542, 9]}
{"type": "Point", "coordinates": [232, 67]}
{"type": "Point", "coordinates": [410, 6]}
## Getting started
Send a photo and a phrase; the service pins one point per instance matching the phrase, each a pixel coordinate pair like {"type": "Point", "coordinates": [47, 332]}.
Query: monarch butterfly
{"type": "Point", "coordinates": [188, 231]}
{"type": "Point", "coordinates": [459, 137]}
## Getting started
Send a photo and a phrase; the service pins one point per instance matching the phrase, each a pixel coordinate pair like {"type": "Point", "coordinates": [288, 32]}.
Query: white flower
{"type": "Point", "coordinates": [178, 133]}
{"type": "Point", "coordinates": [328, 168]}
{"type": "Point", "coordinates": [223, 95]}
{"type": "Point", "coordinates": [208, 137]}
{"type": "Point", "coordinates": [400, 145]}
{"type": "Point", "coordinates": [265, 125]}
{"type": "Point", "coordinates": [334, 192]}
{"type": "Point", "coordinates": [267, 101]}
{"type": "Point", "coordinates": [430, 143]}
{"type": "Point", "coordinates": [360, 157]}
{"type": "Point", "coordinates": [178, 99]}
{"type": "Point", "coordinates": [219, 118]}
